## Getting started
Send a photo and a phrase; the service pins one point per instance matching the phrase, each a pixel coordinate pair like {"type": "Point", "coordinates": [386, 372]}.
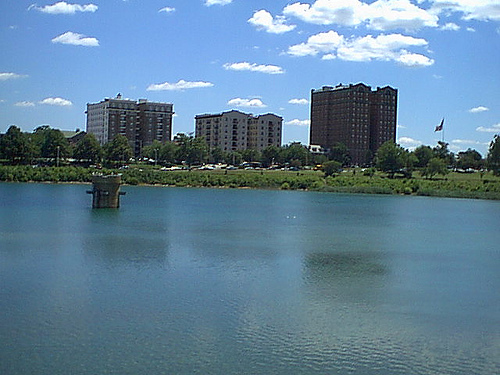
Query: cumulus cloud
{"type": "Point", "coordinates": [252, 67]}
{"type": "Point", "coordinates": [24, 104]}
{"type": "Point", "coordinates": [410, 143]}
{"type": "Point", "coordinates": [263, 20]}
{"type": "Point", "coordinates": [494, 129]}
{"type": "Point", "coordinates": [450, 26]}
{"type": "Point", "coordinates": [76, 39]}
{"type": "Point", "coordinates": [6, 76]}
{"type": "Point", "coordinates": [63, 7]}
{"type": "Point", "coordinates": [483, 10]}
{"type": "Point", "coordinates": [248, 103]}
{"type": "Point", "coordinates": [379, 15]}
{"type": "Point", "coordinates": [178, 86]}
{"type": "Point", "coordinates": [57, 102]}
{"type": "Point", "coordinates": [217, 2]}
{"type": "Point", "coordinates": [466, 142]}
{"type": "Point", "coordinates": [479, 109]}
{"type": "Point", "coordinates": [297, 122]}
{"type": "Point", "coordinates": [167, 10]}
{"type": "Point", "coordinates": [299, 101]}
{"type": "Point", "coordinates": [390, 47]}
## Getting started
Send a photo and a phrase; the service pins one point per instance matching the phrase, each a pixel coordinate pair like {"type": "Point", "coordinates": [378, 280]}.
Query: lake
{"type": "Point", "coordinates": [219, 281]}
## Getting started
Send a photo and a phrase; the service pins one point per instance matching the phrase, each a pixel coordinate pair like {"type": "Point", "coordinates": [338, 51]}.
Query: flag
{"type": "Point", "coordinates": [440, 126]}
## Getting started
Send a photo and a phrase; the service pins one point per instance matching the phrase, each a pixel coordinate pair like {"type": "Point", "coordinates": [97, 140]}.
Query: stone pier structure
{"type": "Point", "coordinates": [106, 191]}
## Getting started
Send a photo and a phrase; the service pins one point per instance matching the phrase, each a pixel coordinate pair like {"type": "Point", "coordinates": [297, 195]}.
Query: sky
{"type": "Point", "coordinates": [256, 56]}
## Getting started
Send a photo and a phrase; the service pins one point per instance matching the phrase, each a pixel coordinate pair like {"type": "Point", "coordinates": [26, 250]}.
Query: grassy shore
{"type": "Point", "coordinates": [458, 185]}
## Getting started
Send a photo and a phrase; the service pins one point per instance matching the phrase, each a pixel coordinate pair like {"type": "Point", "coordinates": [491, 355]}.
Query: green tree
{"type": "Point", "coordinates": [118, 149]}
{"type": "Point", "coordinates": [340, 153]}
{"type": "Point", "coordinates": [54, 144]}
{"type": "Point", "coordinates": [153, 150]}
{"type": "Point", "coordinates": [250, 155]}
{"type": "Point", "coordinates": [423, 155]}
{"type": "Point", "coordinates": [168, 152]}
{"type": "Point", "coordinates": [441, 151]}
{"type": "Point", "coordinates": [434, 167]}
{"type": "Point", "coordinates": [88, 148]}
{"type": "Point", "coordinates": [493, 159]}
{"type": "Point", "coordinates": [470, 159]}
{"type": "Point", "coordinates": [390, 158]}
{"type": "Point", "coordinates": [14, 145]}
{"type": "Point", "coordinates": [217, 155]}
{"type": "Point", "coordinates": [296, 151]}
{"type": "Point", "coordinates": [271, 155]}
{"type": "Point", "coordinates": [331, 167]}
{"type": "Point", "coordinates": [191, 150]}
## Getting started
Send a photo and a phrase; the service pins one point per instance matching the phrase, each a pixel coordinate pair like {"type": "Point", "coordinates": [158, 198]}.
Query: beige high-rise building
{"type": "Point", "coordinates": [236, 131]}
{"type": "Point", "coordinates": [354, 115]}
{"type": "Point", "coordinates": [141, 122]}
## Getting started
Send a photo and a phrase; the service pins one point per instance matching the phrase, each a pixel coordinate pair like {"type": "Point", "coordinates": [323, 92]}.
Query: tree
{"type": "Point", "coordinates": [296, 151]}
{"type": "Point", "coordinates": [14, 145]}
{"type": "Point", "coordinates": [271, 155]}
{"type": "Point", "coordinates": [331, 167]}
{"type": "Point", "coordinates": [217, 155]}
{"type": "Point", "coordinates": [191, 150]}
{"type": "Point", "coordinates": [423, 155]}
{"type": "Point", "coordinates": [54, 144]}
{"type": "Point", "coordinates": [493, 159]}
{"type": "Point", "coordinates": [390, 158]}
{"type": "Point", "coordinates": [118, 149]}
{"type": "Point", "coordinates": [250, 155]}
{"type": "Point", "coordinates": [88, 148]}
{"type": "Point", "coordinates": [441, 151]}
{"type": "Point", "coordinates": [340, 153]}
{"type": "Point", "coordinates": [434, 167]}
{"type": "Point", "coordinates": [470, 159]}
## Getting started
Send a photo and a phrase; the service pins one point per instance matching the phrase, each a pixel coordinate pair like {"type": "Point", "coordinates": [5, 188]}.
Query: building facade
{"type": "Point", "coordinates": [355, 115]}
{"type": "Point", "coordinates": [140, 122]}
{"type": "Point", "coordinates": [236, 131]}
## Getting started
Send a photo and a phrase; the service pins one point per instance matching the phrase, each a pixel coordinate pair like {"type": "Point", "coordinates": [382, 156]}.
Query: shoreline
{"type": "Point", "coordinates": [455, 186]}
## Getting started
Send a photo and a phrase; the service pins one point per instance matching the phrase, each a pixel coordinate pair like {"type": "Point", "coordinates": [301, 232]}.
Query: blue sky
{"type": "Point", "coordinates": [208, 56]}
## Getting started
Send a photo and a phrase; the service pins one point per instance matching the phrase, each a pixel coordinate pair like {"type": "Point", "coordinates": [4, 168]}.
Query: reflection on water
{"type": "Point", "coordinates": [236, 281]}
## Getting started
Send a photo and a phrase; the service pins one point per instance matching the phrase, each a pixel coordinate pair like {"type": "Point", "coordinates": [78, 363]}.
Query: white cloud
{"type": "Point", "coordinates": [450, 26]}
{"type": "Point", "coordinates": [180, 85]}
{"type": "Point", "coordinates": [494, 129]}
{"type": "Point", "coordinates": [63, 7]}
{"type": "Point", "coordinates": [249, 103]}
{"type": "Point", "coordinates": [379, 15]}
{"type": "Point", "coordinates": [217, 2]}
{"type": "Point", "coordinates": [299, 101]}
{"type": "Point", "coordinates": [297, 122]}
{"type": "Point", "coordinates": [167, 10]}
{"type": "Point", "coordinates": [481, 10]}
{"type": "Point", "coordinates": [263, 20]}
{"type": "Point", "coordinates": [6, 76]}
{"type": "Point", "coordinates": [57, 101]}
{"type": "Point", "coordinates": [382, 47]}
{"type": "Point", "coordinates": [76, 39]}
{"type": "Point", "coordinates": [471, 29]}
{"type": "Point", "coordinates": [408, 142]}
{"type": "Point", "coordinates": [245, 66]}
{"type": "Point", "coordinates": [479, 109]}
{"type": "Point", "coordinates": [467, 142]}
{"type": "Point", "coordinates": [24, 104]}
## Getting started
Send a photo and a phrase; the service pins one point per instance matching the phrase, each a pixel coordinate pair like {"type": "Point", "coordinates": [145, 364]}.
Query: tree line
{"type": "Point", "coordinates": [17, 147]}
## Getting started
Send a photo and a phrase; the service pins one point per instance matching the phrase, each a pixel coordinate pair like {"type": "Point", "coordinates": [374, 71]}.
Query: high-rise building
{"type": "Point", "coordinates": [235, 130]}
{"type": "Point", "coordinates": [355, 115]}
{"type": "Point", "coordinates": [141, 122]}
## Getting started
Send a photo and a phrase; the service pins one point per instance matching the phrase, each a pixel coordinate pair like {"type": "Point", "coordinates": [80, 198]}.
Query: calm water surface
{"type": "Point", "coordinates": [182, 281]}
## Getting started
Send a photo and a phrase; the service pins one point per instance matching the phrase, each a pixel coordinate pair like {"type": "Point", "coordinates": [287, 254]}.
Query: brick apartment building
{"type": "Point", "coordinates": [355, 115]}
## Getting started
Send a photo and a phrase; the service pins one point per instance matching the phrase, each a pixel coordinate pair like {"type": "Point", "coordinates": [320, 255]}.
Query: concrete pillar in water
{"type": "Point", "coordinates": [106, 191]}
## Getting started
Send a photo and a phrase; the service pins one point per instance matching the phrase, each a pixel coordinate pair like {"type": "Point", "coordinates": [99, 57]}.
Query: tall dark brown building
{"type": "Point", "coordinates": [354, 115]}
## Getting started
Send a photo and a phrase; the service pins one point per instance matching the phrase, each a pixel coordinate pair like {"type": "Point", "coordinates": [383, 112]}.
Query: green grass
{"type": "Point", "coordinates": [460, 185]}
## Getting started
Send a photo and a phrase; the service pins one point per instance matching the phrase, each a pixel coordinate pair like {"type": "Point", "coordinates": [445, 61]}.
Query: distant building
{"type": "Point", "coordinates": [141, 122]}
{"type": "Point", "coordinates": [73, 137]}
{"type": "Point", "coordinates": [354, 115]}
{"type": "Point", "coordinates": [236, 131]}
